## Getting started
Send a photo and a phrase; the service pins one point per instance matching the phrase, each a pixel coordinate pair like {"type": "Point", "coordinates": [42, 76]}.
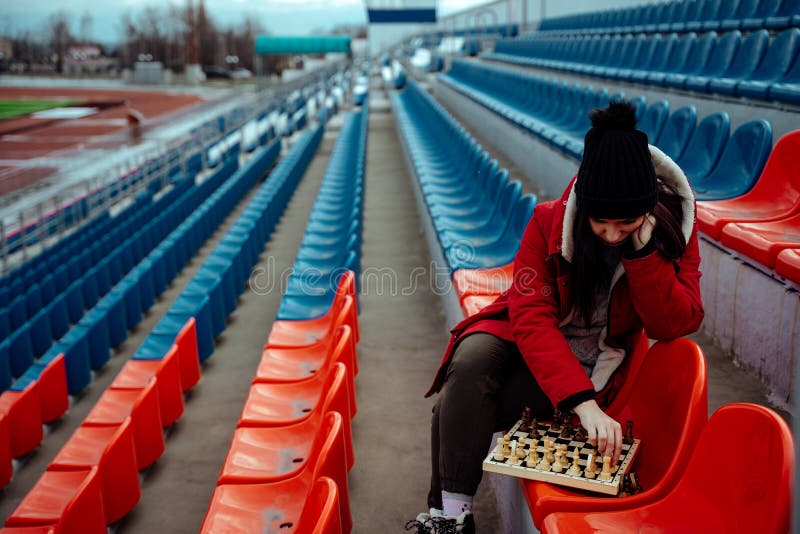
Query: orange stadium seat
{"type": "Point", "coordinates": [290, 403]}
{"type": "Point", "coordinates": [23, 411]}
{"type": "Point", "coordinates": [188, 355]}
{"type": "Point", "coordinates": [668, 406]}
{"type": "Point", "coordinates": [321, 512]}
{"type": "Point", "coordinates": [788, 264]}
{"type": "Point", "coordinates": [141, 405]}
{"type": "Point", "coordinates": [70, 501]}
{"type": "Point", "coordinates": [307, 332]}
{"type": "Point", "coordinates": [493, 281]}
{"type": "Point", "coordinates": [111, 450]}
{"type": "Point", "coordinates": [293, 364]}
{"type": "Point", "coordinates": [475, 303]}
{"type": "Point", "coordinates": [762, 241]}
{"type": "Point", "coordinates": [6, 464]}
{"type": "Point", "coordinates": [776, 194]}
{"type": "Point", "coordinates": [136, 374]}
{"type": "Point", "coordinates": [272, 506]}
{"type": "Point", "coordinates": [719, 491]}
{"type": "Point", "coordinates": [53, 393]}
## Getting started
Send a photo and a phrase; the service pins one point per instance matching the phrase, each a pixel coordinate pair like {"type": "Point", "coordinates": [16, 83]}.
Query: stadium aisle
{"type": "Point", "coordinates": [56, 435]}
{"type": "Point", "coordinates": [403, 333]}
{"type": "Point", "coordinates": [177, 490]}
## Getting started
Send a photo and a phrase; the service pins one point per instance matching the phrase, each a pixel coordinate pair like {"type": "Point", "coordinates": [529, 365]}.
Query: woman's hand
{"type": "Point", "coordinates": [642, 235]}
{"type": "Point", "coordinates": [602, 430]}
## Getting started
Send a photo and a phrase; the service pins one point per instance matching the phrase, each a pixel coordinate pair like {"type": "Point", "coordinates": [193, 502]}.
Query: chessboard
{"type": "Point", "coordinates": [564, 466]}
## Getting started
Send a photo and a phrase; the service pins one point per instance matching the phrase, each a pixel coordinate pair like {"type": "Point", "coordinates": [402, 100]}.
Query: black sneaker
{"type": "Point", "coordinates": [437, 523]}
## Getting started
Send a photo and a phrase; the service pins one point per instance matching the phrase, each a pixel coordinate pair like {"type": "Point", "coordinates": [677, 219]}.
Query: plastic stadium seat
{"type": "Point", "coordinates": [473, 304]}
{"type": "Point", "coordinates": [705, 146]}
{"type": "Point", "coordinates": [740, 165]}
{"type": "Point", "coordinates": [788, 264]}
{"type": "Point", "coordinates": [290, 403]}
{"type": "Point", "coordinates": [653, 121]}
{"type": "Point", "coordinates": [743, 500]}
{"type": "Point", "coordinates": [308, 332]}
{"type": "Point", "coordinates": [763, 241]}
{"type": "Point", "coordinates": [321, 514]}
{"type": "Point", "coordinates": [788, 14]}
{"type": "Point", "coordinates": [111, 450]}
{"type": "Point", "coordinates": [677, 131]}
{"type": "Point", "coordinates": [775, 195]}
{"type": "Point", "coordinates": [765, 8]}
{"type": "Point", "coordinates": [49, 377]}
{"type": "Point", "coordinates": [735, 20]}
{"type": "Point", "coordinates": [748, 57]}
{"type": "Point", "coordinates": [469, 282]}
{"type": "Point", "coordinates": [141, 405]}
{"type": "Point", "coordinates": [136, 374]}
{"type": "Point", "coordinates": [23, 412]}
{"type": "Point", "coordinates": [244, 507]}
{"type": "Point", "coordinates": [781, 55]}
{"type": "Point", "coordinates": [708, 12]}
{"type": "Point", "coordinates": [70, 501]}
{"type": "Point", "coordinates": [717, 64]}
{"type": "Point", "coordinates": [668, 406]}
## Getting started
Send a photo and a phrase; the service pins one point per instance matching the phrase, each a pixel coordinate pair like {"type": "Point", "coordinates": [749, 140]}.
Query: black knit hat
{"type": "Point", "coordinates": [616, 179]}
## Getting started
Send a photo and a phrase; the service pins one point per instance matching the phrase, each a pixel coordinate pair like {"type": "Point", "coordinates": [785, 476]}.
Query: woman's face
{"type": "Point", "coordinates": [614, 232]}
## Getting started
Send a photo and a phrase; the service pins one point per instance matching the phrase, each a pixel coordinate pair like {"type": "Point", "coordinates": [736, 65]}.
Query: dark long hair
{"type": "Point", "coordinates": [589, 270]}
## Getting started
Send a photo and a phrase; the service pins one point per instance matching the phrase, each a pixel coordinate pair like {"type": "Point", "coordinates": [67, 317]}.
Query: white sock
{"type": "Point", "coordinates": [455, 504]}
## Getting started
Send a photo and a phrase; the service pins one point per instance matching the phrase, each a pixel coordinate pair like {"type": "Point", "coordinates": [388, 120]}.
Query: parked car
{"type": "Point", "coordinates": [212, 71]}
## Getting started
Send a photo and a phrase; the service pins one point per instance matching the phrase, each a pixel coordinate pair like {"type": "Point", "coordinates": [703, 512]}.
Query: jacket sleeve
{"type": "Point", "coordinates": [533, 311]}
{"type": "Point", "coordinates": [666, 294]}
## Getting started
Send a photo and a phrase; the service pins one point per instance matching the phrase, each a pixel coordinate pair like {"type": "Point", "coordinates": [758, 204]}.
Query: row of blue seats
{"type": "Point", "coordinates": [211, 296]}
{"type": "Point", "coordinates": [718, 164]}
{"type": "Point", "coordinates": [681, 16]}
{"type": "Point", "coordinates": [478, 213]}
{"type": "Point", "coordinates": [71, 263]}
{"type": "Point", "coordinates": [752, 66]}
{"type": "Point", "coordinates": [115, 300]}
{"type": "Point", "coordinates": [332, 240]}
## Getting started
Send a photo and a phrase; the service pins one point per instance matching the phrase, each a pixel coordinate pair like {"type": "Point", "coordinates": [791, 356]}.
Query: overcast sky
{"type": "Point", "coordinates": [281, 17]}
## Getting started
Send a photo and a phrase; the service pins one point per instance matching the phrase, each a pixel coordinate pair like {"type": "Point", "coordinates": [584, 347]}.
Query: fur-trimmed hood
{"type": "Point", "coordinates": [667, 171]}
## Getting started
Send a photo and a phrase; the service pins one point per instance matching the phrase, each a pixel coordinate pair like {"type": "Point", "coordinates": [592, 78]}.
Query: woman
{"type": "Point", "coordinates": [616, 255]}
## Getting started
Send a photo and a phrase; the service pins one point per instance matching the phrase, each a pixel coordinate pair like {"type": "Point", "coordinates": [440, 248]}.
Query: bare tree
{"type": "Point", "coordinates": [58, 27]}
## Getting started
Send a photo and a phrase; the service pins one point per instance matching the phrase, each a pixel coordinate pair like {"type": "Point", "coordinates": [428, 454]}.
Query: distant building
{"type": "Point", "coordinates": [88, 59]}
{"type": "Point", "coordinates": [6, 53]}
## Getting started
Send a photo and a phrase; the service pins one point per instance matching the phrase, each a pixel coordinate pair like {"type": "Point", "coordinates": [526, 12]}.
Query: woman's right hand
{"type": "Point", "coordinates": [603, 431]}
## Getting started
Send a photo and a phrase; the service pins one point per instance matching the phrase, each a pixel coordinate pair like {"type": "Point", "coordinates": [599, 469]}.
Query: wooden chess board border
{"type": "Point", "coordinates": [611, 487]}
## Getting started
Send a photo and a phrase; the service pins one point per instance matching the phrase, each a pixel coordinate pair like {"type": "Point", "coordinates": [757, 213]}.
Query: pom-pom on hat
{"type": "Point", "coordinates": [616, 178]}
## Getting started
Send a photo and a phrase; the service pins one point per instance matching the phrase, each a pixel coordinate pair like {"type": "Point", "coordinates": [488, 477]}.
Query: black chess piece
{"type": "Point", "coordinates": [525, 426]}
{"type": "Point", "coordinates": [556, 426]}
{"type": "Point", "coordinates": [627, 439]}
{"type": "Point", "coordinates": [534, 431]}
{"type": "Point", "coordinates": [580, 434]}
{"type": "Point", "coordinates": [567, 430]}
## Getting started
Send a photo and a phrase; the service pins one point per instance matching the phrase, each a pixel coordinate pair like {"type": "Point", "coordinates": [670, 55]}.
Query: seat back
{"type": "Point", "coordinates": [780, 56]}
{"type": "Point", "coordinates": [745, 9]}
{"type": "Point", "coordinates": [766, 8]}
{"type": "Point", "coordinates": [653, 120]}
{"type": "Point", "coordinates": [742, 161]}
{"type": "Point", "coordinates": [751, 481]}
{"type": "Point", "coordinates": [677, 131]}
{"type": "Point", "coordinates": [331, 461]}
{"type": "Point", "coordinates": [320, 513]}
{"type": "Point", "coordinates": [668, 407]}
{"type": "Point", "coordinates": [702, 49]}
{"type": "Point", "coordinates": [523, 211]}
{"type": "Point", "coordinates": [721, 57]}
{"type": "Point", "coordinates": [681, 52]}
{"type": "Point", "coordinates": [706, 146]}
{"type": "Point", "coordinates": [748, 56]}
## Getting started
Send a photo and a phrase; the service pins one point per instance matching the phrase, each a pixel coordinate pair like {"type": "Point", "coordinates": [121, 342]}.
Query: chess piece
{"type": "Point", "coordinates": [627, 439]}
{"type": "Point", "coordinates": [558, 465]}
{"type": "Point", "coordinates": [580, 434]}
{"type": "Point", "coordinates": [545, 464]}
{"type": "Point", "coordinates": [520, 450]}
{"type": "Point", "coordinates": [534, 430]}
{"type": "Point", "coordinates": [564, 459]}
{"type": "Point", "coordinates": [605, 474]}
{"type": "Point", "coordinates": [633, 479]}
{"type": "Point", "coordinates": [525, 426]}
{"type": "Point", "coordinates": [532, 458]}
{"type": "Point", "coordinates": [548, 450]}
{"type": "Point", "coordinates": [556, 426]}
{"type": "Point", "coordinates": [513, 458]}
{"type": "Point", "coordinates": [591, 467]}
{"type": "Point", "coordinates": [575, 469]}
{"type": "Point", "coordinates": [498, 451]}
{"type": "Point", "coordinates": [567, 431]}
{"type": "Point", "coordinates": [507, 444]}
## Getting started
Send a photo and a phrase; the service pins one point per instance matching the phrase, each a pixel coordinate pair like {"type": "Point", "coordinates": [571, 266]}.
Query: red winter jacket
{"type": "Point", "coordinates": [650, 292]}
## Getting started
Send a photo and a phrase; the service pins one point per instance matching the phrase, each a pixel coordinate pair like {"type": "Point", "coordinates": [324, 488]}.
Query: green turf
{"type": "Point", "coordinates": [16, 108]}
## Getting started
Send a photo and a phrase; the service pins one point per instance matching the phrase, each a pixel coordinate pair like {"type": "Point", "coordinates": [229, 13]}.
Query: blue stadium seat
{"type": "Point", "coordinates": [691, 14]}
{"type": "Point", "coordinates": [662, 47]}
{"type": "Point", "coordinates": [5, 367]}
{"type": "Point", "coordinates": [745, 10]}
{"type": "Point", "coordinates": [693, 63]}
{"type": "Point", "coordinates": [764, 10]}
{"type": "Point", "coordinates": [788, 88]}
{"type": "Point", "coordinates": [718, 62]}
{"type": "Point", "coordinates": [685, 53]}
{"type": "Point", "coordinates": [787, 15]}
{"type": "Point", "coordinates": [749, 56]}
{"type": "Point", "coordinates": [677, 132]}
{"type": "Point", "coordinates": [654, 119]}
{"type": "Point", "coordinates": [782, 53]}
{"type": "Point", "coordinates": [707, 15]}
{"type": "Point", "coordinates": [740, 164]}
